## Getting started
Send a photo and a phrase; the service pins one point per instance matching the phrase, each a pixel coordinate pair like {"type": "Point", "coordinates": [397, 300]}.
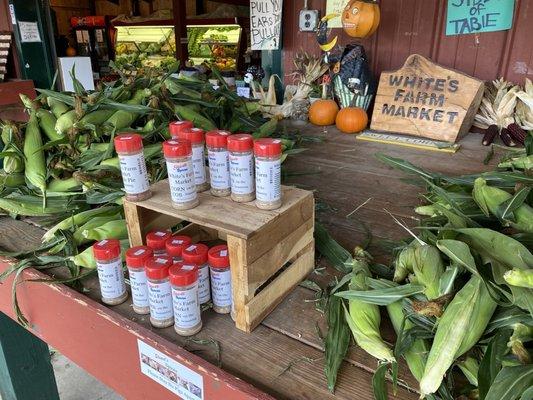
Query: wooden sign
{"type": "Point", "coordinates": [425, 99]}
{"type": "Point", "coordinates": [474, 16]}
{"type": "Point", "coordinates": [265, 24]}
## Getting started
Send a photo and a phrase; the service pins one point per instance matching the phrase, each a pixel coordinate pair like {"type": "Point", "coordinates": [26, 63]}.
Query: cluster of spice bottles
{"type": "Point", "coordinates": [238, 166]}
{"type": "Point", "coordinates": [171, 278]}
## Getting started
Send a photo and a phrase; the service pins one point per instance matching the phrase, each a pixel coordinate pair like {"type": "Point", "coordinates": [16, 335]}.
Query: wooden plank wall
{"type": "Point", "coordinates": [65, 9]}
{"type": "Point", "coordinates": [418, 26]}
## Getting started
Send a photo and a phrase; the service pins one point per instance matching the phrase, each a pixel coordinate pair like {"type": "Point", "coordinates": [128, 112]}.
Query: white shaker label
{"type": "Point", "coordinates": [268, 180]}
{"type": "Point", "coordinates": [186, 307]}
{"type": "Point", "coordinates": [181, 181]}
{"type": "Point", "coordinates": [139, 289]}
{"type": "Point", "coordinates": [160, 300]}
{"type": "Point", "coordinates": [111, 279]}
{"type": "Point", "coordinates": [219, 169]}
{"type": "Point", "coordinates": [221, 287]}
{"type": "Point", "coordinates": [198, 162]}
{"type": "Point", "coordinates": [242, 174]}
{"type": "Point", "coordinates": [204, 293]}
{"type": "Point", "coordinates": [134, 173]}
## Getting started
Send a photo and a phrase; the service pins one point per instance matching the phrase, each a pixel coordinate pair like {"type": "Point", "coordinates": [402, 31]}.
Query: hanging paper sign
{"type": "Point", "coordinates": [335, 7]}
{"type": "Point", "coordinates": [474, 16]}
{"type": "Point", "coordinates": [29, 32]}
{"type": "Point", "coordinates": [427, 100]}
{"type": "Point", "coordinates": [265, 24]}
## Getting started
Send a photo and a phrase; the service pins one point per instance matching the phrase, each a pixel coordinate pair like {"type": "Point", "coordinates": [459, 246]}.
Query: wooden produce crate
{"type": "Point", "coordinates": [270, 251]}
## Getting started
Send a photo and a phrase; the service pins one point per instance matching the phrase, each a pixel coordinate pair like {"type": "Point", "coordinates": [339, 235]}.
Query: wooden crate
{"type": "Point", "coordinates": [270, 251]}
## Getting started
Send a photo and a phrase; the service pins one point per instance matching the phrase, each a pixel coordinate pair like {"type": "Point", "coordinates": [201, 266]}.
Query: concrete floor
{"type": "Point", "coordinates": [74, 383]}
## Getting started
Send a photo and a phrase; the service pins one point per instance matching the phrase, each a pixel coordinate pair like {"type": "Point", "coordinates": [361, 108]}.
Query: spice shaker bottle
{"type": "Point", "coordinates": [197, 254]}
{"type": "Point", "coordinates": [110, 275]}
{"type": "Point", "coordinates": [180, 173]}
{"type": "Point", "coordinates": [220, 279]}
{"type": "Point", "coordinates": [159, 291]}
{"type": "Point", "coordinates": [197, 138]}
{"type": "Point", "coordinates": [175, 246]}
{"type": "Point", "coordinates": [217, 149]}
{"type": "Point", "coordinates": [268, 173]}
{"type": "Point", "coordinates": [156, 240]}
{"type": "Point", "coordinates": [241, 167]}
{"type": "Point", "coordinates": [129, 148]}
{"type": "Point", "coordinates": [187, 313]}
{"type": "Point", "coordinates": [135, 259]}
{"type": "Point", "coordinates": [175, 128]}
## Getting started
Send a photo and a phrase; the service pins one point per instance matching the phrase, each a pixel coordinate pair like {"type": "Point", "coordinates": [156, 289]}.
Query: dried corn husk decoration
{"type": "Point", "coordinates": [524, 108]}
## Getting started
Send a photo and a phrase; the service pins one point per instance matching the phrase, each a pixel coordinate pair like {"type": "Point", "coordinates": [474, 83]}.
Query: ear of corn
{"type": "Point", "coordinates": [35, 170]}
{"type": "Point", "coordinates": [13, 163]}
{"type": "Point", "coordinates": [519, 277]}
{"type": "Point", "coordinates": [525, 162]}
{"type": "Point", "coordinates": [110, 230]}
{"type": "Point", "coordinates": [95, 222]}
{"type": "Point", "coordinates": [47, 122]}
{"type": "Point", "coordinates": [470, 368]}
{"type": "Point", "coordinates": [63, 185]}
{"type": "Point", "coordinates": [404, 263]}
{"type": "Point", "coordinates": [185, 113]}
{"type": "Point", "coordinates": [57, 107]}
{"type": "Point", "coordinates": [65, 122]}
{"type": "Point", "coordinates": [428, 269]}
{"type": "Point", "coordinates": [121, 119]}
{"type": "Point", "coordinates": [11, 180]}
{"type": "Point", "coordinates": [96, 117]}
{"type": "Point", "coordinates": [459, 328]}
{"type": "Point", "coordinates": [86, 259]}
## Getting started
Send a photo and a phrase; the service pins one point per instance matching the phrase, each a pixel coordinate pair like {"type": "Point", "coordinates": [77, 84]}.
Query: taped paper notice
{"type": "Point", "coordinates": [29, 32]}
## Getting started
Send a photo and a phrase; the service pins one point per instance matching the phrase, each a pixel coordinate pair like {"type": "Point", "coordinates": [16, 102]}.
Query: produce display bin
{"type": "Point", "coordinates": [270, 251]}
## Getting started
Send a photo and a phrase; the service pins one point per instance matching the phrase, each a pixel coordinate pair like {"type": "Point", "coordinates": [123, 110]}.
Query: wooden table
{"type": "Point", "coordinates": [283, 357]}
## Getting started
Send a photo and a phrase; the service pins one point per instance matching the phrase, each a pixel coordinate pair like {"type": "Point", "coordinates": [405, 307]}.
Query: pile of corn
{"type": "Point", "coordinates": [459, 293]}
{"type": "Point", "coordinates": [61, 164]}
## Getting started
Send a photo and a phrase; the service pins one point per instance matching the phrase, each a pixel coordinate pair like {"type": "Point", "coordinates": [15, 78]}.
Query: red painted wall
{"type": "Point", "coordinates": [418, 26]}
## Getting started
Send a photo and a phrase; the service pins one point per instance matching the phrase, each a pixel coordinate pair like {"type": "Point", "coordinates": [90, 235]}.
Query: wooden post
{"type": "Point", "coordinates": [180, 30]}
{"type": "Point", "coordinates": [25, 367]}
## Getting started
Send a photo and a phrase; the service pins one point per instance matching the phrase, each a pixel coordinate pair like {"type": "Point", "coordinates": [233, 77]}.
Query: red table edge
{"type": "Point", "coordinates": [76, 326]}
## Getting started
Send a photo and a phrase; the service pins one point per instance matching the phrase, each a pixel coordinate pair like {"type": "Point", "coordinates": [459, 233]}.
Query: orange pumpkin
{"type": "Point", "coordinates": [360, 18]}
{"type": "Point", "coordinates": [323, 112]}
{"type": "Point", "coordinates": [71, 51]}
{"type": "Point", "coordinates": [352, 120]}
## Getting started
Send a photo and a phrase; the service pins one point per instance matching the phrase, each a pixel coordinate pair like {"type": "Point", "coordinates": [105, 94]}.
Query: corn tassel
{"type": "Point", "coordinates": [459, 329]}
{"type": "Point", "coordinates": [35, 170]}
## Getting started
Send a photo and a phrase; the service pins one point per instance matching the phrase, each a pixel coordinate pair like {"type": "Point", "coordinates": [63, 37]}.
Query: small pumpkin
{"type": "Point", "coordinates": [351, 120]}
{"type": "Point", "coordinates": [360, 18]}
{"type": "Point", "coordinates": [71, 51]}
{"type": "Point", "coordinates": [323, 112]}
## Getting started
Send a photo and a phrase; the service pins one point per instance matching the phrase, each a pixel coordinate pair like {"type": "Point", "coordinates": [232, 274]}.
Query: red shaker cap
{"type": "Point", "coordinates": [128, 142]}
{"type": "Point", "coordinates": [240, 142]}
{"type": "Point", "coordinates": [177, 148]}
{"type": "Point", "coordinates": [218, 256]}
{"type": "Point", "coordinates": [195, 254]}
{"type": "Point", "coordinates": [176, 244]}
{"type": "Point", "coordinates": [175, 127]}
{"type": "Point", "coordinates": [107, 249]}
{"type": "Point", "coordinates": [156, 239]}
{"type": "Point", "coordinates": [136, 256]}
{"type": "Point", "coordinates": [267, 147]}
{"type": "Point", "coordinates": [217, 138]}
{"type": "Point", "coordinates": [193, 135]}
{"type": "Point", "coordinates": [157, 267]}
{"type": "Point", "coordinates": [183, 274]}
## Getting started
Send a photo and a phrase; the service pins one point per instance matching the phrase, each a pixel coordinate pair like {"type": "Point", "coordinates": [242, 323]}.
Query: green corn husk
{"type": "Point", "coordinates": [363, 318]}
{"type": "Point", "coordinates": [490, 199]}
{"type": "Point", "coordinates": [86, 259]}
{"type": "Point", "coordinates": [428, 269]}
{"type": "Point", "coordinates": [63, 185]}
{"type": "Point", "coordinates": [150, 151]}
{"type": "Point", "coordinates": [123, 119]}
{"type": "Point", "coordinates": [416, 355]}
{"type": "Point", "coordinates": [32, 206]}
{"type": "Point", "coordinates": [35, 170]}
{"type": "Point", "coordinates": [95, 222]}
{"type": "Point", "coordinates": [460, 327]}
{"type": "Point", "coordinates": [470, 368]}
{"type": "Point", "coordinates": [47, 122]}
{"type": "Point", "coordinates": [185, 113]}
{"type": "Point", "coordinates": [519, 277]}
{"type": "Point", "coordinates": [111, 230]}
{"type": "Point", "coordinates": [57, 107]}
{"type": "Point", "coordinates": [404, 264]}
{"type": "Point", "coordinates": [525, 162]}
{"type": "Point", "coordinates": [80, 219]}
{"type": "Point", "coordinates": [96, 117]}
{"type": "Point", "coordinates": [13, 163]}
{"type": "Point", "coordinates": [267, 129]}
{"type": "Point", "coordinates": [12, 180]}
{"type": "Point", "coordinates": [521, 334]}
{"type": "Point", "coordinates": [66, 122]}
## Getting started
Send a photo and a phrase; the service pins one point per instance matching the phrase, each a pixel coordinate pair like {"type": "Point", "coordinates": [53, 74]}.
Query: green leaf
{"type": "Point", "coordinates": [491, 363]}
{"type": "Point", "coordinates": [379, 383]}
{"type": "Point", "coordinates": [337, 340]}
{"type": "Point", "coordinates": [404, 166]}
{"type": "Point", "coordinates": [511, 383]}
{"type": "Point", "coordinates": [459, 253]}
{"type": "Point", "coordinates": [337, 255]}
{"type": "Point", "coordinates": [382, 297]}
{"type": "Point", "coordinates": [509, 206]}
{"type": "Point", "coordinates": [506, 317]}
